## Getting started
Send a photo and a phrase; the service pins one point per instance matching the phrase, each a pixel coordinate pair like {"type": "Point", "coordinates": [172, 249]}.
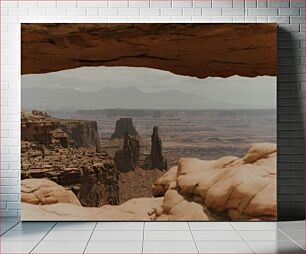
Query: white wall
{"type": "Point", "coordinates": [290, 14]}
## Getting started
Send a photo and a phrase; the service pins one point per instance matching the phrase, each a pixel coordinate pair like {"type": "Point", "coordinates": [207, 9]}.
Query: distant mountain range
{"type": "Point", "coordinates": [127, 97]}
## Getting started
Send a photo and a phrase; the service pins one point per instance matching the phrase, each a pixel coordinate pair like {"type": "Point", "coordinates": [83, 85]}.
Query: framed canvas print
{"type": "Point", "coordinates": [148, 122]}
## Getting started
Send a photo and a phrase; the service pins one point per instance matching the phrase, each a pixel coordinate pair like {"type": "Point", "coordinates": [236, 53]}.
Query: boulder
{"type": "Point", "coordinates": [166, 182]}
{"type": "Point", "coordinates": [45, 192]}
{"type": "Point", "coordinates": [230, 186]}
{"type": "Point", "coordinates": [177, 207]}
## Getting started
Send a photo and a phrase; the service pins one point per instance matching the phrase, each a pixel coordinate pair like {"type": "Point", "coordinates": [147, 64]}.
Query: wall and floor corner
{"type": "Point", "coordinates": [289, 14]}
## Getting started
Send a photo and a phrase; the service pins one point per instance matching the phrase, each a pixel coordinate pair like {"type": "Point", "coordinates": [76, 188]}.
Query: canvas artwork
{"type": "Point", "coordinates": [148, 122]}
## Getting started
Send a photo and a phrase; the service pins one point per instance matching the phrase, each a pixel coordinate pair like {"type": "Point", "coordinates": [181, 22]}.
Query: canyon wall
{"type": "Point", "coordinates": [68, 153]}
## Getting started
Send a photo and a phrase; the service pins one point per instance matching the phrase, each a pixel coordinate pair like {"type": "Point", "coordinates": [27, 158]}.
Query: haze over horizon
{"type": "Point", "coordinates": [138, 87]}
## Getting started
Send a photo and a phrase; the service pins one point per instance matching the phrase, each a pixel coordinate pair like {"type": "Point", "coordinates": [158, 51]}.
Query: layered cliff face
{"type": "Point", "coordinates": [83, 133]}
{"type": "Point", "coordinates": [229, 188]}
{"type": "Point", "coordinates": [123, 126]}
{"type": "Point", "coordinates": [99, 185]}
{"type": "Point", "coordinates": [68, 153]}
{"type": "Point", "coordinates": [127, 158]}
{"type": "Point", "coordinates": [40, 128]}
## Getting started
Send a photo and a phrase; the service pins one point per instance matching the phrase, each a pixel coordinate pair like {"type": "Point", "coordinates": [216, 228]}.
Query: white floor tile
{"type": "Point", "coordinates": [166, 225]}
{"type": "Point", "coordinates": [107, 236]}
{"type": "Point", "coordinates": [60, 247]}
{"type": "Point", "coordinates": [263, 235]}
{"type": "Point", "coordinates": [276, 247]}
{"type": "Point", "coordinates": [22, 236]}
{"type": "Point", "coordinates": [216, 236]}
{"type": "Point", "coordinates": [169, 247]}
{"type": "Point", "coordinates": [223, 247]}
{"type": "Point", "coordinates": [298, 236]}
{"type": "Point", "coordinates": [17, 247]}
{"type": "Point", "coordinates": [63, 226]}
{"type": "Point", "coordinates": [33, 226]}
{"type": "Point", "coordinates": [291, 225]}
{"type": "Point", "coordinates": [119, 226]}
{"type": "Point", "coordinates": [69, 236]}
{"type": "Point", "coordinates": [295, 234]}
{"type": "Point", "coordinates": [221, 226]}
{"type": "Point", "coordinates": [301, 243]}
{"type": "Point", "coordinates": [7, 225]}
{"type": "Point", "coordinates": [114, 247]}
{"type": "Point", "coordinates": [167, 236]}
{"type": "Point", "coordinates": [253, 226]}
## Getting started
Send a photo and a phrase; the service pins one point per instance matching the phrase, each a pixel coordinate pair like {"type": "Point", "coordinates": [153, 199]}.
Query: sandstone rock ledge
{"type": "Point", "coordinates": [134, 209]}
{"type": "Point", "coordinates": [229, 188]}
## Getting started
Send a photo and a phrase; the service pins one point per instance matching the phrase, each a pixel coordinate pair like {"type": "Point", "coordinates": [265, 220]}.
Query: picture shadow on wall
{"type": "Point", "coordinates": [290, 130]}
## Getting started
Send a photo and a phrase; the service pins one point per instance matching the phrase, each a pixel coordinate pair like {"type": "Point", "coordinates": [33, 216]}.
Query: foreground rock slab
{"type": "Point", "coordinates": [134, 209]}
{"type": "Point", "coordinates": [46, 192]}
{"type": "Point", "coordinates": [229, 188]}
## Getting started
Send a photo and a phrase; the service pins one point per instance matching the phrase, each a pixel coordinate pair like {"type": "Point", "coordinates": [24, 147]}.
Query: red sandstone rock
{"type": "Point", "coordinates": [199, 50]}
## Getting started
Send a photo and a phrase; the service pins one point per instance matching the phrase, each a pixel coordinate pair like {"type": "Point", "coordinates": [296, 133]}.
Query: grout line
{"type": "Point", "coordinates": [273, 224]}
{"type": "Point", "coordinates": [42, 238]}
{"type": "Point", "coordinates": [193, 238]}
{"type": "Point", "coordinates": [143, 232]}
{"type": "Point", "coordinates": [10, 228]}
{"type": "Point", "coordinates": [90, 237]}
{"type": "Point", "coordinates": [290, 238]}
{"type": "Point", "coordinates": [247, 243]}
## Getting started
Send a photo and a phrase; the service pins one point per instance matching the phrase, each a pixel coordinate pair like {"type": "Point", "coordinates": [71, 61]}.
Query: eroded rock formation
{"type": "Point", "coordinates": [128, 158]}
{"type": "Point", "coordinates": [123, 126]}
{"type": "Point", "coordinates": [246, 49]}
{"type": "Point", "coordinates": [83, 133]}
{"type": "Point", "coordinates": [229, 188]}
{"type": "Point", "coordinates": [156, 159]}
{"type": "Point", "coordinates": [41, 128]}
{"type": "Point", "coordinates": [99, 185]}
{"type": "Point", "coordinates": [67, 152]}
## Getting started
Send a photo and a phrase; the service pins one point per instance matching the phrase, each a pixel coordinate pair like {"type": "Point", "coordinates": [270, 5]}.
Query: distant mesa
{"type": "Point", "coordinates": [128, 158]}
{"type": "Point", "coordinates": [155, 159]}
{"type": "Point", "coordinates": [123, 126]}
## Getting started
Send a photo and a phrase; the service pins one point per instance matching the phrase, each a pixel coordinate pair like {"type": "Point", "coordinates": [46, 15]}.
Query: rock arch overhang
{"type": "Point", "coordinates": [198, 50]}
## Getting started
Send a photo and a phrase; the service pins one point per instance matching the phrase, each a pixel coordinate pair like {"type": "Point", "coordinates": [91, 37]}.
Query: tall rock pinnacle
{"type": "Point", "coordinates": [127, 159]}
{"type": "Point", "coordinates": [156, 159]}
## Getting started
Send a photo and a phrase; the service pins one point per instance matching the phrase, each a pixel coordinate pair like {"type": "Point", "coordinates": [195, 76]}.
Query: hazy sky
{"type": "Point", "coordinates": [259, 91]}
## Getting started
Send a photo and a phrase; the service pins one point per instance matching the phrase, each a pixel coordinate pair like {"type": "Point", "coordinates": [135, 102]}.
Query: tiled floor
{"type": "Point", "coordinates": [152, 237]}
